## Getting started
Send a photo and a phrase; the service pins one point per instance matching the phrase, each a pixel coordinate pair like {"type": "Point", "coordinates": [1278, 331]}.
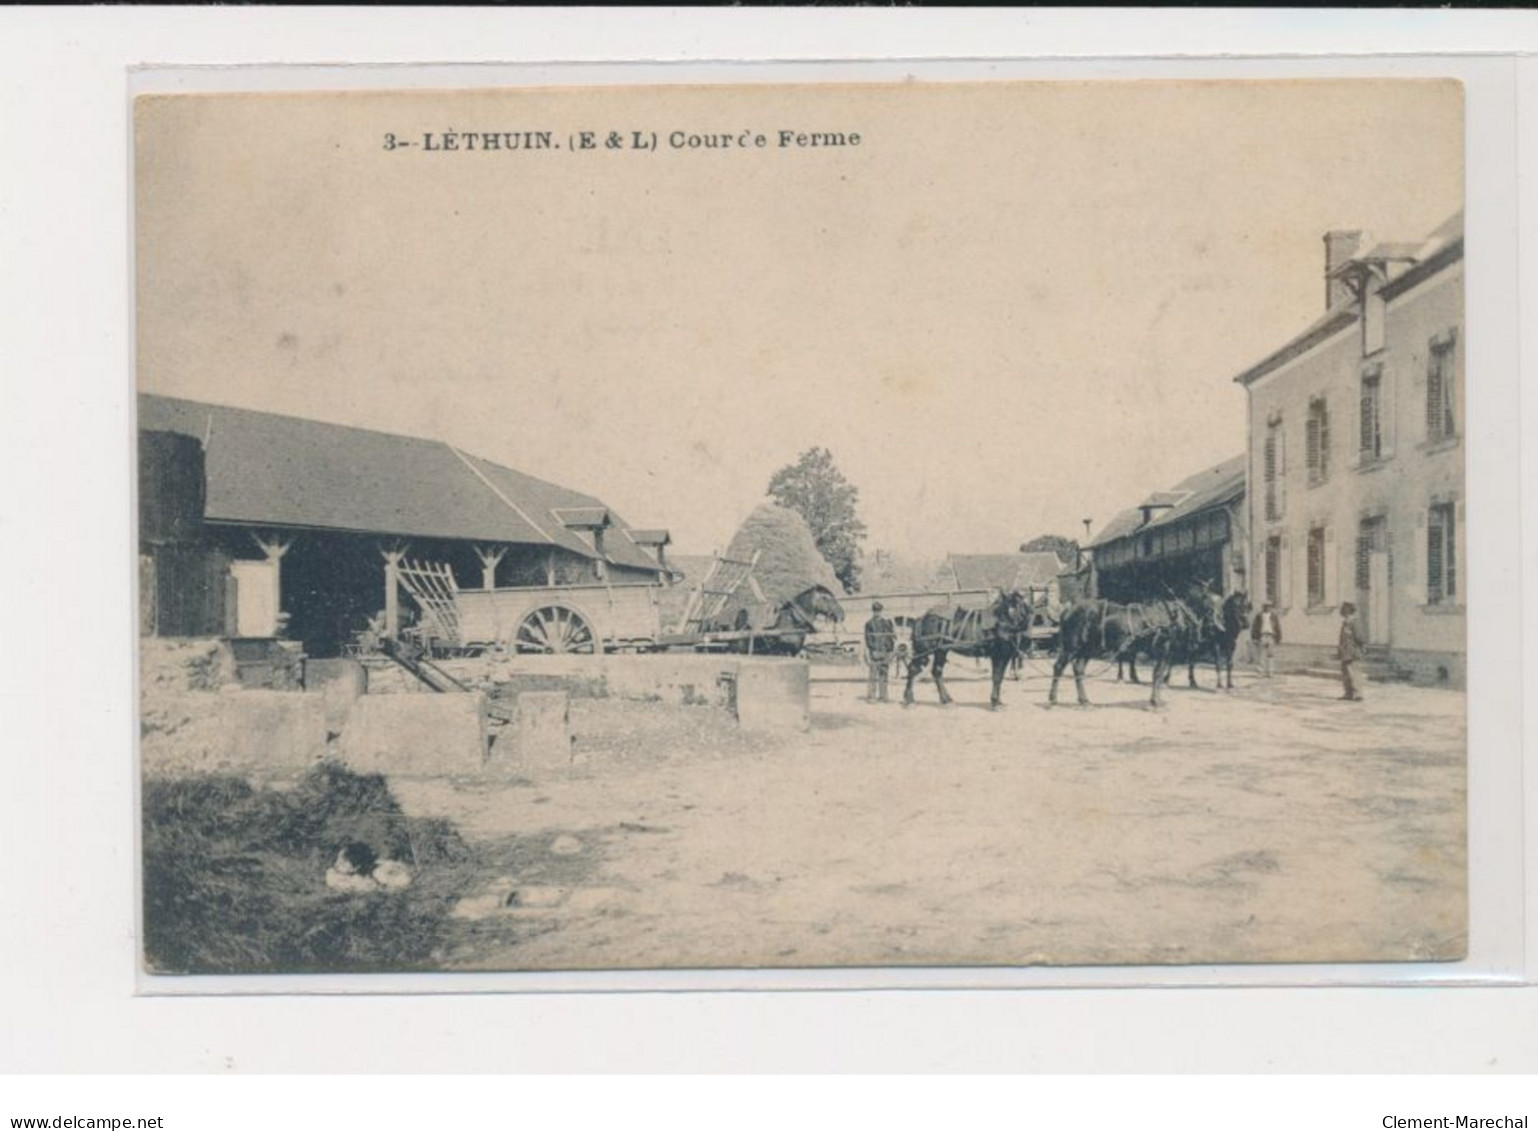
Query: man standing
{"type": "Point", "coordinates": [1350, 652]}
{"type": "Point", "coordinates": [1266, 633]}
{"type": "Point", "coordinates": [880, 642]}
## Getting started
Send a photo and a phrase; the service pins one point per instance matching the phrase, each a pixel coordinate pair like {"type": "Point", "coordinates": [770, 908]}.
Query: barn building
{"type": "Point", "coordinates": [1193, 532]}
{"type": "Point", "coordinates": [257, 525]}
{"type": "Point", "coordinates": [1038, 573]}
{"type": "Point", "coordinates": [1357, 461]}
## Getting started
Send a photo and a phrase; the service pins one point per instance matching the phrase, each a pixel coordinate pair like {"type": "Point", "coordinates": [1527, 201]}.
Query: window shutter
{"type": "Point", "coordinates": [1331, 561]}
{"type": "Point", "coordinates": [1284, 589]}
{"type": "Point", "coordinates": [1281, 472]}
{"type": "Point", "coordinates": [1324, 441]}
{"type": "Point", "coordinates": [1270, 473]}
{"type": "Point", "coordinates": [1434, 558]}
{"type": "Point", "coordinates": [1315, 567]}
{"type": "Point", "coordinates": [1311, 444]}
{"type": "Point", "coordinates": [1450, 386]}
{"type": "Point", "coordinates": [1434, 379]}
{"type": "Point", "coordinates": [1369, 413]}
{"type": "Point", "coordinates": [1388, 418]}
{"type": "Point", "coordinates": [1450, 554]}
{"type": "Point", "coordinates": [1273, 571]}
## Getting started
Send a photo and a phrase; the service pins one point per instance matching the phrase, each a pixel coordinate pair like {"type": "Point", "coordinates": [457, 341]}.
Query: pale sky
{"type": "Point", "coordinates": [1011, 307]}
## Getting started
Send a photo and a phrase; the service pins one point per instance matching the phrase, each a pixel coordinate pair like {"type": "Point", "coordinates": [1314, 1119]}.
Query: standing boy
{"type": "Point", "coordinates": [1266, 632]}
{"type": "Point", "coordinates": [880, 642]}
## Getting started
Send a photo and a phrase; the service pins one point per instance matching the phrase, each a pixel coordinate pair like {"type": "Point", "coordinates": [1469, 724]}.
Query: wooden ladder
{"type": "Point", "coordinates": [725, 577]}
{"type": "Point", "coordinates": [433, 588]}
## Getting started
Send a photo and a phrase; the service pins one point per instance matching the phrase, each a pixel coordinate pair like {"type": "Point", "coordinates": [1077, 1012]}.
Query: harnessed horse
{"type": "Point", "coordinates": [1165, 630]}
{"type": "Point", "coordinates": [1208, 641]}
{"type": "Point", "coordinates": [995, 633]}
{"type": "Point", "coordinates": [1233, 620]}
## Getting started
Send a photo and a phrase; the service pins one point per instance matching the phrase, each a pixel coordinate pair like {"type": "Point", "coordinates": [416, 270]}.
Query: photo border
{"type": "Point", "coordinates": [1496, 878]}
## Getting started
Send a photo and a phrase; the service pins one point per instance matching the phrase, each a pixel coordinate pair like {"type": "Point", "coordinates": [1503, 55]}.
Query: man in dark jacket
{"type": "Point", "coordinates": [1266, 633]}
{"type": "Point", "coordinates": [880, 643]}
{"type": "Point", "coordinates": [1351, 650]}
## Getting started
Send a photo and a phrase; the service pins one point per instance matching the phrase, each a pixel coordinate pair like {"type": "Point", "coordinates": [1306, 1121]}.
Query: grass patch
{"type": "Point", "coordinates": [234, 877]}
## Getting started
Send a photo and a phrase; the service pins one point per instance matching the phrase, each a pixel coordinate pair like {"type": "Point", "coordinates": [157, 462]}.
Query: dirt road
{"type": "Point", "coordinates": [1272, 823]}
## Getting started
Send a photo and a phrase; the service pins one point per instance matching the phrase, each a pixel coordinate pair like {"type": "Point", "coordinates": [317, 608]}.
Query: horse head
{"type": "Point", "coordinates": [818, 602]}
{"type": "Point", "coordinates": [1206, 606]}
{"type": "Point", "coordinates": [1013, 611]}
{"type": "Point", "coordinates": [1236, 611]}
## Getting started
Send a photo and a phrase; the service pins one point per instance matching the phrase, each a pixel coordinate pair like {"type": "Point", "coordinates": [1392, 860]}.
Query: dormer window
{"type": "Point", "coordinates": [592, 521]}
{"type": "Point", "coordinates": [1374, 315]}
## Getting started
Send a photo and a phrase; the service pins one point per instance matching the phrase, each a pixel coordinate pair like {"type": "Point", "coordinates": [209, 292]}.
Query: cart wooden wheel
{"type": "Point", "coordinates": [555, 629]}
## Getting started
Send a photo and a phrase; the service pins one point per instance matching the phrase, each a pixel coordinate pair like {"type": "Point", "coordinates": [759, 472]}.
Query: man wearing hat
{"type": "Point", "coordinates": [880, 642]}
{"type": "Point", "coordinates": [1351, 650]}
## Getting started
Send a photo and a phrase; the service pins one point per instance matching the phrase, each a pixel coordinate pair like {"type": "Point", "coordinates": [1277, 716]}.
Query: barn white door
{"type": "Point", "coordinates": [256, 597]}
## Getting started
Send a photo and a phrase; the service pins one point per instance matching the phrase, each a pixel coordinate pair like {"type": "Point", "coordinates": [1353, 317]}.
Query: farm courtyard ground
{"type": "Point", "coordinates": [1270, 823]}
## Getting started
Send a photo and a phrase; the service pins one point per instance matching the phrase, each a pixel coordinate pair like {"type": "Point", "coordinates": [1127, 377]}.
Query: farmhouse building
{"type": "Point", "coordinates": [256, 525]}
{"type": "Point", "coordinates": [1356, 458]}
{"type": "Point", "coordinates": [1191, 533]}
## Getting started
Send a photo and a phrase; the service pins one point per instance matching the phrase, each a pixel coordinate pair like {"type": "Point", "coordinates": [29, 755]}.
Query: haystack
{"type": "Point", "coordinates": [789, 562]}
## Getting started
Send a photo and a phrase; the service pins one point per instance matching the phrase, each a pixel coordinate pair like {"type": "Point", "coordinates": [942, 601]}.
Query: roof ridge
{"type": "Point", "coordinates": [417, 438]}
{"type": "Point", "coordinates": [291, 416]}
{"type": "Point", "coordinates": [495, 490]}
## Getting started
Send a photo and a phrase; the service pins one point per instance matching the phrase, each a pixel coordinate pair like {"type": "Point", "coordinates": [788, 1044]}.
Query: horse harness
{"type": "Point", "coordinates": [956, 627]}
{"type": "Point", "coordinates": [1140, 626]}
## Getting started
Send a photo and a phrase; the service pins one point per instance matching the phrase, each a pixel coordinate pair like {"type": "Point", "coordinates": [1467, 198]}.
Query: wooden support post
{"type": "Point", "coordinates": [392, 556]}
{"type": "Point", "coordinates": [599, 564]}
{"type": "Point", "coordinates": [550, 567]}
{"type": "Point", "coordinates": [274, 546]}
{"type": "Point", "coordinates": [491, 557]}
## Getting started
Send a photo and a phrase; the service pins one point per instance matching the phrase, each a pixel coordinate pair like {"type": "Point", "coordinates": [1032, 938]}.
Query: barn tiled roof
{"type": "Point", "coordinates": [1213, 487]}
{"type": "Point", "coordinates": [1004, 571]}
{"type": "Point", "coordinates": [1037, 569]}
{"type": "Point", "coordinates": [270, 470]}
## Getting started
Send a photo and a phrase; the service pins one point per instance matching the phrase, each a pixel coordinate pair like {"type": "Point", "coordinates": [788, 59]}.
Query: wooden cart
{"type": "Point", "coordinates": [555, 619]}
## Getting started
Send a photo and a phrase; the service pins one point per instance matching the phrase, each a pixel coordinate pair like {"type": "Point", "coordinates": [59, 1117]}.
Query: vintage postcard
{"type": "Point", "coordinates": [989, 524]}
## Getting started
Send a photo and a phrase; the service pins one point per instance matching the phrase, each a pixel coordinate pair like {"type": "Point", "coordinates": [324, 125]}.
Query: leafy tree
{"type": "Point", "coordinates": [816, 490]}
{"type": "Point", "coordinates": [1066, 549]}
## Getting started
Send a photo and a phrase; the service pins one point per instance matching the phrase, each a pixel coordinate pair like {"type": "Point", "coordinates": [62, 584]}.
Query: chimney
{"type": "Point", "coordinates": [1339, 246]}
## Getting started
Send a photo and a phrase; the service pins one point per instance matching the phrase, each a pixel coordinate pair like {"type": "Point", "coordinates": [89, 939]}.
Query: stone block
{"type": "Point", "coordinates": [543, 730]}
{"type": "Point", "coordinates": [774, 695]}
{"type": "Point", "coordinates": [341, 682]}
{"type": "Point", "coordinates": [685, 679]}
{"type": "Point", "coordinates": [259, 733]}
{"type": "Point", "coordinates": [418, 735]}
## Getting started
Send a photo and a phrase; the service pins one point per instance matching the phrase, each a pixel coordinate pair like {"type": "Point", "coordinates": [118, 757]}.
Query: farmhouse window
{"type": "Point", "coordinates": [1316, 559]}
{"type": "Point", "coordinates": [1440, 382]}
{"type": "Point", "coordinates": [1316, 434]}
{"type": "Point", "coordinates": [1441, 555]}
{"type": "Point", "coordinates": [1275, 471]}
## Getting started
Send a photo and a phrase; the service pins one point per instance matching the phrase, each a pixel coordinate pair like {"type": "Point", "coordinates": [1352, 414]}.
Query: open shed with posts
{"type": "Point", "coordinates": [256, 525]}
